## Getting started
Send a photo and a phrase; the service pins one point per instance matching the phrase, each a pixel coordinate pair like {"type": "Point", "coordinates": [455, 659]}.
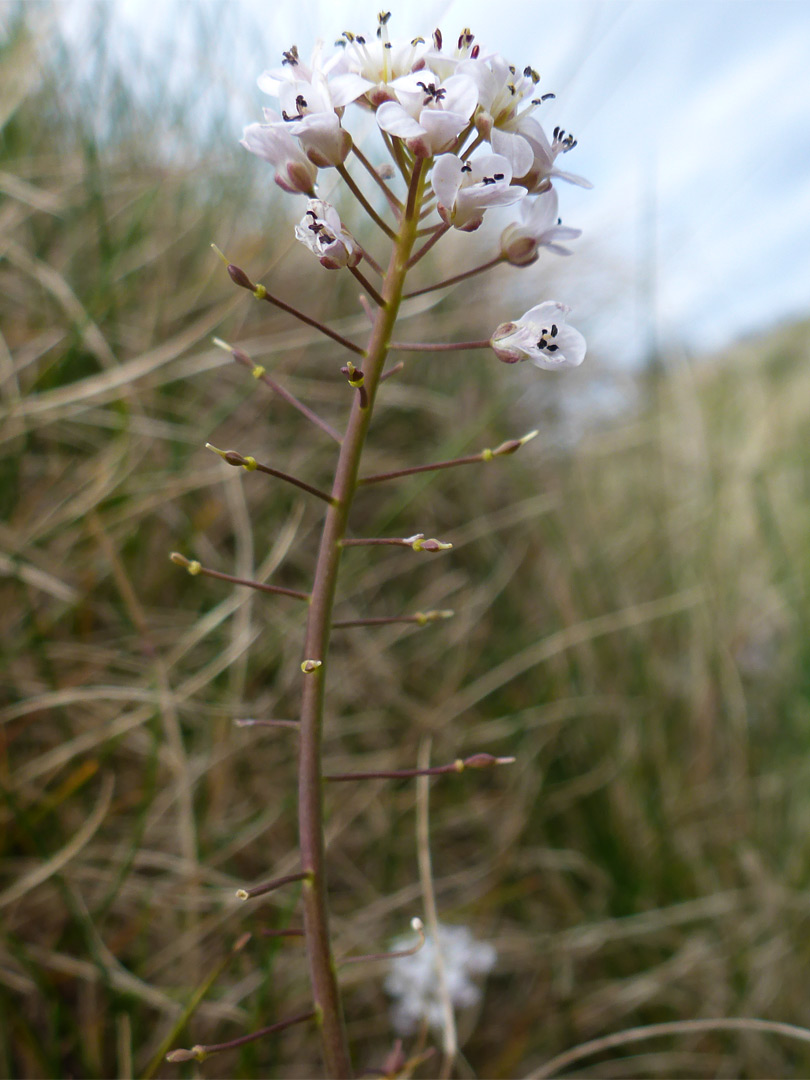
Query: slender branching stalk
{"type": "Point", "coordinates": [443, 190]}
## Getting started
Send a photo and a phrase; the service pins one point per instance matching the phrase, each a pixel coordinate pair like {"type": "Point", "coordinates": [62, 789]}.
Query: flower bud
{"type": "Point", "coordinates": [504, 352]}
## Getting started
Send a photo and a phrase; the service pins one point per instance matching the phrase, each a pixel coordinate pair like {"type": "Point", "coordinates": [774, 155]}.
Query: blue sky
{"type": "Point", "coordinates": [693, 120]}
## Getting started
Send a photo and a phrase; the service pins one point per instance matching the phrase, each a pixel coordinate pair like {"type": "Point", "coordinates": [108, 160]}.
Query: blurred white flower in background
{"type": "Point", "coordinates": [413, 981]}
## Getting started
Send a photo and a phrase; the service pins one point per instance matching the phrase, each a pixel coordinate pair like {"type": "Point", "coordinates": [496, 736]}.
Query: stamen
{"type": "Point", "coordinates": [291, 56]}
{"type": "Point", "coordinates": [437, 40]}
{"type": "Point", "coordinates": [466, 167]}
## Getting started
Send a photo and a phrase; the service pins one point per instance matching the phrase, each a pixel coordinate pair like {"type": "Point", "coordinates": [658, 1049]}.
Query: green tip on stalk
{"type": "Point", "coordinates": [191, 565]}
{"type": "Point", "coordinates": [233, 457]}
{"type": "Point", "coordinates": [418, 543]}
{"type": "Point", "coordinates": [196, 1053]}
{"type": "Point", "coordinates": [511, 446]}
{"type": "Point", "coordinates": [425, 617]}
{"type": "Point", "coordinates": [310, 666]}
{"type": "Point", "coordinates": [226, 260]}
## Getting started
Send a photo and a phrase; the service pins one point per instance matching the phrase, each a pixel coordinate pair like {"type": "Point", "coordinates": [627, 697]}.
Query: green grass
{"type": "Point", "coordinates": [631, 624]}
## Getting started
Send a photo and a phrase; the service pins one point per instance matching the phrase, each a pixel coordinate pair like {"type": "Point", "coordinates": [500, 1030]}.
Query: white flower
{"type": "Point", "coordinates": [308, 106]}
{"type": "Point", "coordinates": [507, 99]}
{"type": "Point", "coordinates": [322, 231]}
{"type": "Point", "coordinates": [414, 983]}
{"type": "Point", "coordinates": [541, 336]}
{"type": "Point", "coordinates": [543, 169]}
{"type": "Point", "coordinates": [294, 171]}
{"type": "Point", "coordinates": [465, 189]}
{"type": "Point", "coordinates": [292, 70]}
{"type": "Point", "coordinates": [428, 114]}
{"type": "Point", "coordinates": [446, 64]}
{"type": "Point", "coordinates": [368, 67]}
{"type": "Point", "coordinates": [309, 112]}
{"type": "Point", "coordinates": [539, 227]}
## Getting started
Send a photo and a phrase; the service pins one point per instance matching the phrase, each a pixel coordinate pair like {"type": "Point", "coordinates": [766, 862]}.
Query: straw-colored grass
{"type": "Point", "coordinates": [631, 625]}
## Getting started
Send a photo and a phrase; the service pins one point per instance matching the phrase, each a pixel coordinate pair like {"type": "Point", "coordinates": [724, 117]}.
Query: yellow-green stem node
{"type": "Point", "coordinates": [250, 464]}
{"type": "Point", "coordinates": [258, 371]}
{"type": "Point", "coordinates": [260, 292]}
{"type": "Point", "coordinates": [194, 568]}
{"type": "Point", "coordinates": [487, 455]}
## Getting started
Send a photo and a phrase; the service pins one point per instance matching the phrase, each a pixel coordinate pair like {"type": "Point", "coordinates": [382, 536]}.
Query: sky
{"type": "Point", "coordinates": [693, 121]}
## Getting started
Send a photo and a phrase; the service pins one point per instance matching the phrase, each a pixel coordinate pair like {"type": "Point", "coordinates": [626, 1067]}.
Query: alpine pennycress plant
{"type": "Point", "coordinates": [460, 130]}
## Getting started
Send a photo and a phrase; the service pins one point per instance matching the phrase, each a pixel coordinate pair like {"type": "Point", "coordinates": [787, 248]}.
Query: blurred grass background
{"type": "Point", "coordinates": [631, 623]}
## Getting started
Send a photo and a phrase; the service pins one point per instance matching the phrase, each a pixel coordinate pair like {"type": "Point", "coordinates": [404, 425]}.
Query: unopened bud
{"type": "Point", "coordinates": [298, 177]}
{"type": "Point", "coordinates": [239, 277]}
{"type": "Point", "coordinates": [308, 666]}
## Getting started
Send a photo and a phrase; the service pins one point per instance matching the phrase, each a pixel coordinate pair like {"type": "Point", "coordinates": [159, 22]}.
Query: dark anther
{"type": "Point", "coordinates": [383, 17]}
{"type": "Point", "coordinates": [388, 44]}
{"type": "Point", "coordinates": [542, 343]}
{"type": "Point", "coordinates": [553, 329]}
{"type": "Point", "coordinates": [360, 40]}
{"type": "Point", "coordinates": [511, 88]}
{"type": "Point", "coordinates": [417, 41]}
{"type": "Point", "coordinates": [499, 175]}
{"type": "Point", "coordinates": [466, 167]}
{"type": "Point", "coordinates": [437, 39]}
{"type": "Point", "coordinates": [548, 97]}
{"type": "Point", "coordinates": [465, 38]}
{"type": "Point", "coordinates": [552, 348]}
{"type": "Point", "coordinates": [559, 221]}
{"type": "Point", "coordinates": [301, 102]}
{"type": "Point", "coordinates": [291, 56]}
{"type": "Point", "coordinates": [432, 92]}
{"type": "Point", "coordinates": [513, 69]}
{"type": "Point", "coordinates": [488, 180]}
{"type": "Point", "coordinates": [475, 52]}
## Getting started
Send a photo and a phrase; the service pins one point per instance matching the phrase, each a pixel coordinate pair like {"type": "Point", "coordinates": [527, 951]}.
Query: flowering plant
{"type": "Point", "coordinates": [461, 135]}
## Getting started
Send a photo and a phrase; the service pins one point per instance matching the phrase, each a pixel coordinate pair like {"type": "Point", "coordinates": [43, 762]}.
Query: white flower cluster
{"type": "Point", "coordinates": [439, 105]}
{"type": "Point", "coordinates": [413, 980]}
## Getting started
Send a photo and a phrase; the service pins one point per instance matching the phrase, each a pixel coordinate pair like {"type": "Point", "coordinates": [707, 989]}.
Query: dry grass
{"type": "Point", "coordinates": [631, 625]}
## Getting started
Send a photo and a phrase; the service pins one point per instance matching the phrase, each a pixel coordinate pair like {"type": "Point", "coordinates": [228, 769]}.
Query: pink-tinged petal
{"type": "Point", "coordinates": [461, 96]}
{"type": "Point", "coordinates": [446, 179]}
{"type": "Point", "coordinates": [483, 78]}
{"type": "Point", "coordinates": [441, 127]}
{"type": "Point", "coordinates": [514, 148]}
{"type": "Point", "coordinates": [541, 212]}
{"type": "Point", "coordinates": [348, 88]}
{"type": "Point", "coordinates": [558, 249]}
{"type": "Point", "coordinates": [270, 83]}
{"type": "Point", "coordinates": [546, 313]}
{"type": "Point", "coordinates": [564, 232]}
{"type": "Point", "coordinates": [572, 178]}
{"type": "Point", "coordinates": [396, 121]}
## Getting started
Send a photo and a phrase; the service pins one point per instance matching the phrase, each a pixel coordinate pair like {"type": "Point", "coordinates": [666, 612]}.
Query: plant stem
{"type": "Point", "coordinates": [326, 996]}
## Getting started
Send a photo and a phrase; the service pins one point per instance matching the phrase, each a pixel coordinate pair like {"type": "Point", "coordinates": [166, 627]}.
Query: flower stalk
{"type": "Point", "coordinates": [316, 646]}
{"type": "Point", "coordinates": [431, 124]}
